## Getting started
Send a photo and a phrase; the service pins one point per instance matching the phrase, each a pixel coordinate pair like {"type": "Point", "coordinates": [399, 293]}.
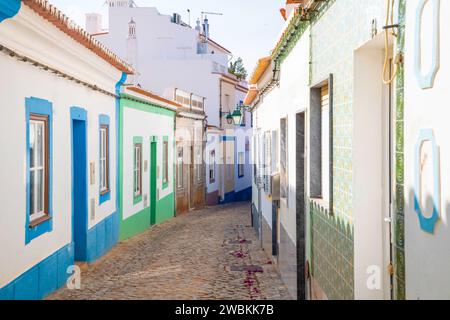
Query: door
{"type": "Point", "coordinates": [301, 205]}
{"type": "Point", "coordinates": [153, 178]}
{"type": "Point", "coordinates": [182, 179]}
{"type": "Point", "coordinates": [80, 188]}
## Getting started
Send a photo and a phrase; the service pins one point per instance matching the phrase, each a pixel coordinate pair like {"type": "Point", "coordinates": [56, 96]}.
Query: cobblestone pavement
{"type": "Point", "coordinates": [207, 254]}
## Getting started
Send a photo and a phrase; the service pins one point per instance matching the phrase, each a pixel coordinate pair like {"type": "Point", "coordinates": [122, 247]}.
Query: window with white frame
{"type": "Point", "coordinates": [137, 190]}
{"type": "Point", "coordinates": [104, 159]}
{"type": "Point", "coordinates": [39, 174]}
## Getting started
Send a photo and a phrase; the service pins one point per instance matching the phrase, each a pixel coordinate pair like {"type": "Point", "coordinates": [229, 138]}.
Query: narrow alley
{"type": "Point", "coordinates": [207, 254]}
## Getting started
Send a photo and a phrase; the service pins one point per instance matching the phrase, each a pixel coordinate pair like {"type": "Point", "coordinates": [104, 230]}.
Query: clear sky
{"type": "Point", "coordinates": [248, 28]}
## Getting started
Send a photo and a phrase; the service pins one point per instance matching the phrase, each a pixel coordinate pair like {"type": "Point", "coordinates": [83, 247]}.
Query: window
{"type": "Point", "coordinates": [104, 159]}
{"type": "Point", "coordinates": [267, 162]}
{"type": "Point", "coordinates": [180, 166]}
{"type": "Point", "coordinates": [39, 168]}
{"type": "Point", "coordinates": [325, 138]}
{"type": "Point", "coordinates": [212, 166]}
{"type": "Point", "coordinates": [137, 171]}
{"type": "Point", "coordinates": [284, 175]}
{"type": "Point", "coordinates": [38, 185]}
{"type": "Point", "coordinates": [165, 163]}
{"type": "Point", "coordinates": [199, 162]}
{"type": "Point", "coordinates": [241, 164]}
{"type": "Point", "coordinates": [321, 131]}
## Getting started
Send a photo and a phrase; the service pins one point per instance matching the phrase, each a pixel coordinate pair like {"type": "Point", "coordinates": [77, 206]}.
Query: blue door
{"type": "Point", "coordinates": [79, 183]}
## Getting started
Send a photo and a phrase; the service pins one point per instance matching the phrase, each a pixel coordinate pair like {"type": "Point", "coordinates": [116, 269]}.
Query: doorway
{"type": "Point", "coordinates": [153, 178]}
{"type": "Point", "coordinates": [301, 205]}
{"type": "Point", "coordinates": [79, 183]}
{"type": "Point", "coordinates": [373, 173]}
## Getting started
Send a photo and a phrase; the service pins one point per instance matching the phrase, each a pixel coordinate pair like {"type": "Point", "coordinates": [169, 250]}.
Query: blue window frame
{"type": "Point", "coordinates": [104, 156]}
{"type": "Point", "coordinates": [39, 168]}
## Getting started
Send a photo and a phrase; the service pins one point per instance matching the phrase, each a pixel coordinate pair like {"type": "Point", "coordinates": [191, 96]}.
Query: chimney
{"type": "Point", "coordinates": [197, 27]}
{"type": "Point", "coordinates": [206, 28]}
{"type": "Point", "coordinates": [93, 23]}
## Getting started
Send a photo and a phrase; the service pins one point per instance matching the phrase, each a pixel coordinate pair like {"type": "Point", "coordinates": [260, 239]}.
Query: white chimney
{"type": "Point", "coordinates": [93, 23]}
{"type": "Point", "coordinates": [132, 49]}
{"type": "Point", "coordinates": [198, 27]}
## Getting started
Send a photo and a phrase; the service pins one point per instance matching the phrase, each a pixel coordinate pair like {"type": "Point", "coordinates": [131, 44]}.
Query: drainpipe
{"type": "Point", "coordinates": [119, 84]}
{"type": "Point", "coordinates": [9, 9]}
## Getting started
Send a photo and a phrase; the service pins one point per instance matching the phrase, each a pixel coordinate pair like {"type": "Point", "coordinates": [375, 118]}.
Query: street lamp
{"type": "Point", "coordinates": [237, 115]}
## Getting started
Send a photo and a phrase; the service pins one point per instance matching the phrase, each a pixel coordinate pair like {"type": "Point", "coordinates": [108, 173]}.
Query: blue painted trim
{"type": "Point", "coordinates": [104, 120]}
{"type": "Point", "coordinates": [227, 138]}
{"type": "Point", "coordinates": [42, 279]}
{"type": "Point", "coordinates": [9, 8]}
{"type": "Point", "coordinates": [427, 224]}
{"type": "Point", "coordinates": [426, 81]}
{"type": "Point", "coordinates": [79, 114]}
{"type": "Point", "coordinates": [39, 107]}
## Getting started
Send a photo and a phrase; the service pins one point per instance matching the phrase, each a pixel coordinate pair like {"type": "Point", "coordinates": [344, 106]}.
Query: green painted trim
{"type": "Point", "coordinates": [137, 140]}
{"type": "Point", "coordinates": [296, 29]}
{"type": "Point", "coordinates": [399, 220]}
{"type": "Point", "coordinates": [165, 208]}
{"type": "Point", "coordinates": [129, 101]}
{"type": "Point", "coordinates": [135, 224]}
{"type": "Point", "coordinates": [165, 180]}
{"type": "Point", "coordinates": [153, 177]}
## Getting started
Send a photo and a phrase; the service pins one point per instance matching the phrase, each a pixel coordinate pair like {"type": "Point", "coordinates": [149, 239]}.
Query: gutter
{"type": "Point", "coordinates": [119, 84]}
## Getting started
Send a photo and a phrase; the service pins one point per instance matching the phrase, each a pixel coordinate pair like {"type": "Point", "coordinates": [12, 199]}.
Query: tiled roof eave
{"type": "Point", "coordinates": [64, 24]}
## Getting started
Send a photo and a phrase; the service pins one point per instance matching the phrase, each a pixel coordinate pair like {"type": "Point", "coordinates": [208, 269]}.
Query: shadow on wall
{"type": "Point", "coordinates": [332, 254]}
{"type": "Point", "coordinates": [426, 270]}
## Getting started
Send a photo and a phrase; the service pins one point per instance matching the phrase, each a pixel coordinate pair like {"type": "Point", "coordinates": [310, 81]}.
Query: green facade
{"type": "Point", "coordinates": [157, 211]}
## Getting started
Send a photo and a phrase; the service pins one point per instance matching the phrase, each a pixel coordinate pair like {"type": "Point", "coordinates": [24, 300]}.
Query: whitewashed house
{"type": "Point", "coordinates": [59, 126]}
{"type": "Point", "coordinates": [170, 54]}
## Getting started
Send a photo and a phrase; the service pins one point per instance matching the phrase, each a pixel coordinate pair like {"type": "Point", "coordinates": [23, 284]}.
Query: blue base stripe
{"type": "Point", "coordinates": [102, 237]}
{"type": "Point", "coordinates": [243, 195]}
{"type": "Point", "coordinates": [42, 279]}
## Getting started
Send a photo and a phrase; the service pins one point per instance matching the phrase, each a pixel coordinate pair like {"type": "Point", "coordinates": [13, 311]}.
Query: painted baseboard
{"type": "Point", "coordinates": [243, 195]}
{"type": "Point", "coordinates": [102, 237]}
{"type": "Point", "coordinates": [41, 280]}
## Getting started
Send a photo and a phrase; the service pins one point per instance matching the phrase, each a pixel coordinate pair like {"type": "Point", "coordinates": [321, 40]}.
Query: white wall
{"type": "Point", "coordinates": [427, 255]}
{"type": "Point", "coordinates": [368, 207]}
{"type": "Point", "coordinates": [167, 55]}
{"type": "Point", "coordinates": [138, 123]}
{"type": "Point", "coordinates": [290, 98]}
{"type": "Point", "coordinates": [24, 80]}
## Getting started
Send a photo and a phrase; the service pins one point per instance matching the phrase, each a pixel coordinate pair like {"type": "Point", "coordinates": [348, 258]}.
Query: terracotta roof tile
{"type": "Point", "coordinates": [53, 15]}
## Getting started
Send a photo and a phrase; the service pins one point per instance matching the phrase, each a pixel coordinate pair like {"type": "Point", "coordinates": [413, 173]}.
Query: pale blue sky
{"type": "Point", "coordinates": [248, 28]}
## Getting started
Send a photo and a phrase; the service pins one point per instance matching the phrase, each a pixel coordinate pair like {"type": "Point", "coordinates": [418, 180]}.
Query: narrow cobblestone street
{"type": "Point", "coordinates": [207, 254]}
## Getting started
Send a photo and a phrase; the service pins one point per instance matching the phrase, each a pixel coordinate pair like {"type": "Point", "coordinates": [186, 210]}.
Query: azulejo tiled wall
{"type": "Point", "coordinates": [399, 222]}
{"type": "Point", "coordinates": [341, 27]}
{"type": "Point", "coordinates": [332, 254]}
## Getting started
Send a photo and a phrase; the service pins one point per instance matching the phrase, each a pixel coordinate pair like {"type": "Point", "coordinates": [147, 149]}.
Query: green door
{"type": "Point", "coordinates": [153, 168]}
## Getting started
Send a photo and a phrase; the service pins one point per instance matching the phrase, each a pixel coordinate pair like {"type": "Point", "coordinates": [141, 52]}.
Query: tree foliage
{"type": "Point", "coordinates": [237, 68]}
